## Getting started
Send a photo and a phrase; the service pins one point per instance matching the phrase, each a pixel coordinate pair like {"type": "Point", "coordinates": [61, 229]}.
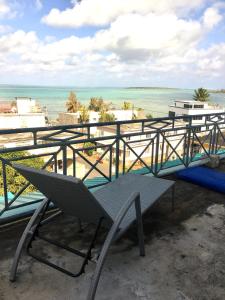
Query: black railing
{"type": "Point", "coordinates": [144, 146]}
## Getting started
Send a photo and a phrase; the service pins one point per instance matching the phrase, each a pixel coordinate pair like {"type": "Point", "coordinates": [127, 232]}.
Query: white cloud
{"type": "Point", "coordinates": [149, 44]}
{"type": "Point", "coordinates": [4, 8]}
{"type": "Point", "coordinates": [136, 37]}
{"type": "Point", "coordinates": [211, 17]}
{"type": "Point", "coordinates": [102, 12]}
{"type": "Point", "coordinates": [38, 4]}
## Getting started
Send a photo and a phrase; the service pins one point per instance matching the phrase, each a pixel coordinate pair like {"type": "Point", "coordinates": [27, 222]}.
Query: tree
{"type": "Point", "coordinates": [201, 95]}
{"type": "Point", "coordinates": [91, 151]}
{"type": "Point", "coordinates": [84, 114]}
{"type": "Point", "coordinates": [72, 104]}
{"type": "Point", "coordinates": [15, 181]}
{"type": "Point", "coordinates": [126, 105]}
{"type": "Point", "coordinates": [106, 117]}
{"type": "Point", "coordinates": [98, 104]}
{"type": "Point", "coordinates": [148, 116]}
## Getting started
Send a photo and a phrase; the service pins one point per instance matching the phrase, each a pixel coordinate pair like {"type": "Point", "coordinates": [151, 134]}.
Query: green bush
{"type": "Point", "coordinates": [15, 181]}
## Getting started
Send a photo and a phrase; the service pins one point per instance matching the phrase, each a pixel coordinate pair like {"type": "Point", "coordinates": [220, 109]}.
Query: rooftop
{"type": "Point", "coordinates": [188, 101]}
{"type": "Point", "coordinates": [184, 255]}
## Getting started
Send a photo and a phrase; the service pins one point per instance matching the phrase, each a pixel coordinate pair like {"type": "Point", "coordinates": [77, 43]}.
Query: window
{"type": "Point", "coordinates": [187, 106]}
{"type": "Point", "coordinates": [197, 118]}
{"type": "Point", "coordinates": [198, 106]}
{"type": "Point", "coordinates": [171, 114]}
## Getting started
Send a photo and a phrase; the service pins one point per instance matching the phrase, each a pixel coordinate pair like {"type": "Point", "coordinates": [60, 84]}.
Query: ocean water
{"type": "Point", "coordinates": [153, 100]}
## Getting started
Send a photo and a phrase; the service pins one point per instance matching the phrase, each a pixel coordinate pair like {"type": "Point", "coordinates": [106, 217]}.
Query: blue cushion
{"type": "Point", "coordinates": [206, 177]}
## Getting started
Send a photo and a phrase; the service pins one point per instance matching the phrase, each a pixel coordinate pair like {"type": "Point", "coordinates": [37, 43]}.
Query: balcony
{"type": "Point", "coordinates": [184, 249]}
{"type": "Point", "coordinates": [184, 256]}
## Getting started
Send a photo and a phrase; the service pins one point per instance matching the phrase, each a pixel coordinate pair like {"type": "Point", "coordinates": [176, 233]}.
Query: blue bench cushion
{"type": "Point", "coordinates": [206, 177]}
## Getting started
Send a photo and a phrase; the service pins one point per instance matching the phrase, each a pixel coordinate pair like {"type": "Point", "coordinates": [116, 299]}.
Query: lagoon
{"type": "Point", "coordinates": [152, 100]}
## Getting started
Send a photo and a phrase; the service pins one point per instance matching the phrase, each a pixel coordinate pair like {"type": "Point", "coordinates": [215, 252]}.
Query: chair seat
{"type": "Point", "coordinates": [113, 195]}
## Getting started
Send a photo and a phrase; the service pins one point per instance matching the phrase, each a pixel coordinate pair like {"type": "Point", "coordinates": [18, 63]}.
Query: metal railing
{"type": "Point", "coordinates": [144, 146]}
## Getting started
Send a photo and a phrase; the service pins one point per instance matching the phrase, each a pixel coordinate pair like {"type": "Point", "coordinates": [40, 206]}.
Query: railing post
{"type": "Point", "coordinates": [64, 159]}
{"type": "Point", "coordinates": [35, 138]}
{"type": "Point", "coordinates": [188, 144]}
{"type": "Point", "coordinates": [5, 185]}
{"type": "Point", "coordinates": [157, 152]}
{"type": "Point", "coordinates": [117, 166]}
{"type": "Point", "coordinates": [213, 140]}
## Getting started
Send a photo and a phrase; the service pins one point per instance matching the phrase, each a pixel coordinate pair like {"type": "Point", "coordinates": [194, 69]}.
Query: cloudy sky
{"type": "Point", "coordinates": [174, 43]}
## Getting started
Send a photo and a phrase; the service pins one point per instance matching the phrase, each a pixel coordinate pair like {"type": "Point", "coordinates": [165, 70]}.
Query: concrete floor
{"type": "Point", "coordinates": [185, 256]}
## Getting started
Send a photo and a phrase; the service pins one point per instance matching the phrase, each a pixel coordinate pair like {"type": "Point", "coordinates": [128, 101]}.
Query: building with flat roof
{"type": "Point", "coordinates": [196, 108]}
{"type": "Point", "coordinates": [24, 112]}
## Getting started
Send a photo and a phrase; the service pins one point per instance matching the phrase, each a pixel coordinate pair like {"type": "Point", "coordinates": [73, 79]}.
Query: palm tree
{"type": "Point", "coordinates": [201, 95]}
{"type": "Point", "coordinates": [98, 104]}
{"type": "Point", "coordinates": [126, 105]}
{"type": "Point", "coordinates": [84, 114]}
{"type": "Point", "coordinates": [72, 103]}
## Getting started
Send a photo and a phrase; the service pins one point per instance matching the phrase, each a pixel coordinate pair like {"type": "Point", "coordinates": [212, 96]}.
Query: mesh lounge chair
{"type": "Point", "coordinates": [116, 205]}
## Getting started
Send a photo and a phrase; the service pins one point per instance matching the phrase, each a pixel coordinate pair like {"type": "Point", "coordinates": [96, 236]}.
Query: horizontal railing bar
{"type": "Point", "coordinates": [23, 204]}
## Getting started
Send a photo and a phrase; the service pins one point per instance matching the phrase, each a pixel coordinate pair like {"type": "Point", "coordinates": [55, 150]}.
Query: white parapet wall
{"type": "Point", "coordinates": [8, 121]}
{"type": "Point", "coordinates": [25, 105]}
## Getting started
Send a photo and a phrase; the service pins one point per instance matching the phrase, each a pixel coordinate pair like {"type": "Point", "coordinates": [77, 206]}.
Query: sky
{"type": "Point", "coordinates": [169, 43]}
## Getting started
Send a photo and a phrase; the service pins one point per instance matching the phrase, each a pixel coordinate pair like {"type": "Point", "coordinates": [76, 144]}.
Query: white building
{"type": "Point", "coordinates": [26, 105]}
{"type": "Point", "coordinates": [123, 115]}
{"type": "Point", "coordinates": [191, 107]}
{"type": "Point", "coordinates": [15, 120]}
{"type": "Point", "coordinates": [26, 113]}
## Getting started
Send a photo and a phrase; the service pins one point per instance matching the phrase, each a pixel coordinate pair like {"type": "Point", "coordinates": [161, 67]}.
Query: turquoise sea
{"type": "Point", "coordinates": [152, 100]}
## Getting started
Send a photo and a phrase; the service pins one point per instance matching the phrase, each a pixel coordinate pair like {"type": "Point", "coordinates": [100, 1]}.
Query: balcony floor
{"type": "Point", "coordinates": [185, 255]}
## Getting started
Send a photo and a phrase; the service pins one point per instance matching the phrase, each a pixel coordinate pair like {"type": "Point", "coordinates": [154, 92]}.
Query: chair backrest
{"type": "Point", "coordinates": [66, 192]}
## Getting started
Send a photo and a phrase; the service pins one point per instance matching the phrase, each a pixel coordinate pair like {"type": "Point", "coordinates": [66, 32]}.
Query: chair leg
{"type": "Point", "coordinates": [100, 263]}
{"type": "Point", "coordinates": [140, 230]}
{"type": "Point", "coordinates": [111, 236]}
{"type": "Point", "coordinates": [28, 230]}
{"type": "Point", "coordinates": [86, 256]}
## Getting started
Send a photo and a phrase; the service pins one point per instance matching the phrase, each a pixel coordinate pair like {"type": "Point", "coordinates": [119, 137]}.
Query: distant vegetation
{"type": "Point", "coordinates": [97, 104]}
{"type": "Point", "coordinates": [201, 95]}
{"type": "Point", "coordinates": [222, 91]}
{"type": "Point", "coordinates": [148, 116]}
